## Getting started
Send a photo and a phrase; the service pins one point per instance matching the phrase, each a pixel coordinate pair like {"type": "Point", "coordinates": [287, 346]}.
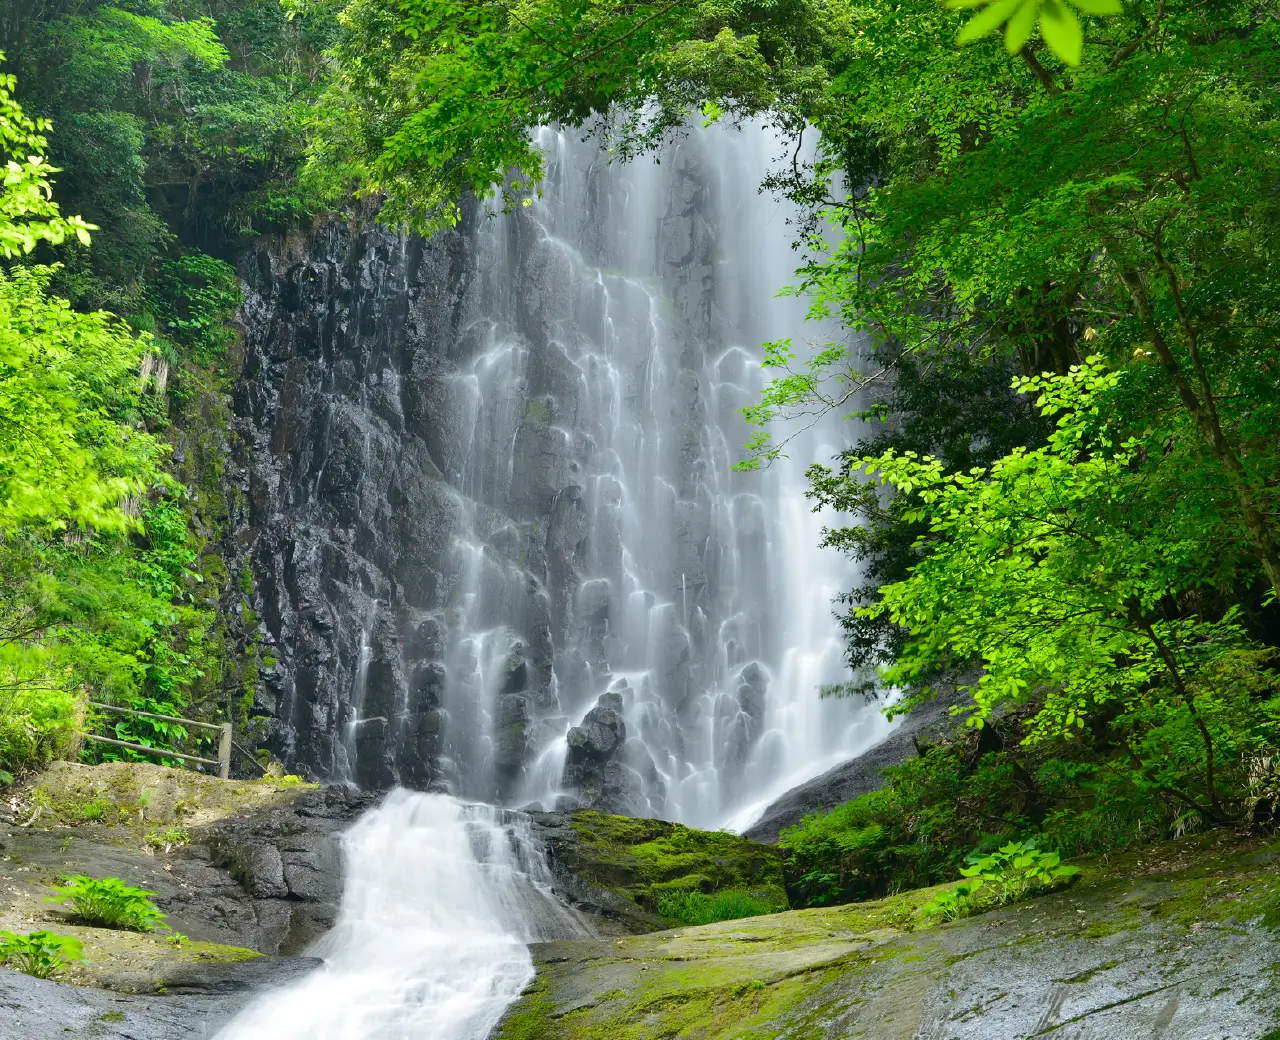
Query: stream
{"type": "Point", "coordinates": [441, 898]}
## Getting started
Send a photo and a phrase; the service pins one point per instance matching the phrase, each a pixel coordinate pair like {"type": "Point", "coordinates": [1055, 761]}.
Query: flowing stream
{"type": "Point", "coordinates": [440, 898]}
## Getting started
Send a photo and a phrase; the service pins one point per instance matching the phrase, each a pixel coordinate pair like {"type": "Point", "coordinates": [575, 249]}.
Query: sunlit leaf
{"type": "Point", "coordinates": [1098, 6]}
{"type": "Point", "coordinates": [1018, 31]}
{"type": "Point", "coordinates": [1061, 31]}
{"type": "Point", "coordinates": [986, 20]}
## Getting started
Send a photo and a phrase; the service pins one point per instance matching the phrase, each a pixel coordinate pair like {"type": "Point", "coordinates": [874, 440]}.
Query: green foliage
{"type": "Point", "coordinates": [1059, 569]}
{"type": "Point", "coordinates": [1059, 25]}
{"type": "Point", "coordinates": [953, 407]}
{"type": "Point", "coordinates": [726, 905]}
{"type": "Point", "coordinates": [168, 838]}
{"type": "Point", "coordinates": [1015, 870]}
{"type": "Point", "coordinates": [170, 120]}
{"type": "Point", "coordinates": [1009, 874]}
{"type": "Point", "coordinates": [979, 789]}
{"type": "Point", "coordinates": [28, 214]}
{"type": "Point", "coordinates": [193, 299]}
{"type": "Point", "coordinates": [953, 903]}
{"type": "Point", "coordinates": [42, 954]}
{"type": "Point", "coordinates": [434, 99]}
{"type": "Point", "coordinates": [108, 903]}
{"type": "Point", "coordinates": [68, 385]}
{"type": "Point", "coordinates": [95, 809]}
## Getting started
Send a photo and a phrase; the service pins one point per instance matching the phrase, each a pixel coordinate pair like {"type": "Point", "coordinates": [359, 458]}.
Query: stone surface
{"type": "Point", "coordinates": [261, 876]}
{"type": "Point", "coordinates": [1176, 942]}
{"type": "Point", "coordinates": [478, 479]}
{"type": "Point", "coordinates": [195, 1007]}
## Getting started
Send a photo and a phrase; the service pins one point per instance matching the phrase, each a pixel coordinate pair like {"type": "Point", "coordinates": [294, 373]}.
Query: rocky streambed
{"type": "Point", "coordinates": [250, 874]}
{"type": "Point", "coordinates": [1175, 942]}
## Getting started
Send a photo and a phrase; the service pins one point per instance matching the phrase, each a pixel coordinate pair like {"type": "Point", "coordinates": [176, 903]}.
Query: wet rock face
{"type": "Point", "coordinates": [407, 617]}
{"type": "Point", "coordinates": [422, 507]}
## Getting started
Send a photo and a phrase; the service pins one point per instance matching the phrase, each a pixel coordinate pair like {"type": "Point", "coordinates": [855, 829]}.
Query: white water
{"type": "Point", "coordinates": [440, 898]}
{"type": "Point", "coordinates": [704, 598]}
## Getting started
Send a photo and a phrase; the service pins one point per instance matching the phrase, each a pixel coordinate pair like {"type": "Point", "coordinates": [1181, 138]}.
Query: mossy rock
{"type": "Point", "coordinates": [1174, 941]}
{"type": "Point", "coordinates": [621, 867]}
{"type": "Point", "coordinates": [147, 796]}
{"type": "Point", "coordinates": [132, 962]}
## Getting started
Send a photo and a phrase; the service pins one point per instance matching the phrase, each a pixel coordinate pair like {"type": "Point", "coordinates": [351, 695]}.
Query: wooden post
{"type": "Point", "coordinates": [224, 752]}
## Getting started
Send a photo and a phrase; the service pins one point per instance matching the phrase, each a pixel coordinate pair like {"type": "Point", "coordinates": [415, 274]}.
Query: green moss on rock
{"type": "Point", "coordinates": [148, 796]}
{"type": "Point", "coordinates": [639, 861]}
{"type": "Point", "coordinates": [1190, 920]}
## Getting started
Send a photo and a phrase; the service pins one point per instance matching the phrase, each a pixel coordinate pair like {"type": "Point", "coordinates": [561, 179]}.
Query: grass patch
{"type": "Point", "coordinates": [726, 905]}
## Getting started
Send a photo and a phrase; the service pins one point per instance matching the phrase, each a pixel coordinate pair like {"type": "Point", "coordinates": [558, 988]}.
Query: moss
{"type": "Point", "coordinates": [860, 970]}
{"type": "Point", "coordinates": [644, 860]}
{"type": "Point", "coordinates": [538, 411]}
{"type": "Point", "coordinates": [149, 797]}
{"type": "Point", "coordinates": [532, 1018]}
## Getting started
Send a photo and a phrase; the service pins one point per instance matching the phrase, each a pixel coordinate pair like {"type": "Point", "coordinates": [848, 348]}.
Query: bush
{"type": "Point", "coordinates": [108, 903]}
{"type": "Point", "coordinates": [727, 905]}
{"type": "Point", "coordinates": [978, 791]}
{"type": "Point", "coordinates": [38, 717]}
{"type": "Point", "coordinates": [41, 954]}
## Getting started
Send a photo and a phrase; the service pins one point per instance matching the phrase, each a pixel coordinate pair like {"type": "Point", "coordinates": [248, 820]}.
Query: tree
{"type": "Point", "coordinates": [83, 606]}
{"type": "Point", "coordinates": [1067, 572]}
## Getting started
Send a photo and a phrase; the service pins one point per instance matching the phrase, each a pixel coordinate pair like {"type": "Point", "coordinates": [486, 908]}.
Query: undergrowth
{"type": "Point", "coordinates": [727, 905]}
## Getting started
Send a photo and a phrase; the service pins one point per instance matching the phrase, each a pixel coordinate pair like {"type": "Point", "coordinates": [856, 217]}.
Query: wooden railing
{"type": "Point", "coordinates": [223, 761]}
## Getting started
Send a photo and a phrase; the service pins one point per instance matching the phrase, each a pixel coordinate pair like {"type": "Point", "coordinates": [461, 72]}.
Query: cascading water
{"type": "Point", "coordinates": [499, 545]}
{"type": "Point", "coordinates": [699, 603]}
{"type": "Point", "coordinates": [440, 898]}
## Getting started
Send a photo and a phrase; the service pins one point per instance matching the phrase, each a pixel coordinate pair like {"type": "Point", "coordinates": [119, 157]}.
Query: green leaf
{"type": "Point", "coordinates": [1061, 31]}
{"type": "Point", "coordinates": [1018, 31]}
{"type": "Point", "coordinates": [986, 20]}
{"type": "Point", "coordinates": [1098, 6]}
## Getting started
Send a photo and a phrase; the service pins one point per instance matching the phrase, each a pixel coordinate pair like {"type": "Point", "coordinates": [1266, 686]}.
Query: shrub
{"type": "Point", "coordinates": [108, 903]}
{"type": "Point", "coordinates": [727, 905]}
{"type": "Point", "coordinates": [1016, 870]}
{"type": "Point", "coordinates": [41, 954]}
{"type": "Point", "coordinates": [975, 791]}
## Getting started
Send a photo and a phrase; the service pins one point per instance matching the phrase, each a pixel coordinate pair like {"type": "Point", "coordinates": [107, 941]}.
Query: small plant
{"type": "Point", "coordinates": [41, 954]}
{"type": "Point", "coordinates": [108, 903]}
{"type": "Point", "coordinates": [286, 780]}
{"type": "Point", "coordinates": [954, 903]}
{"type": "Point", "coordinates": [1011, 873]}
{"type": "Point", "coordinates": [177, 939]}
{"type": "Point", "coordinates": [95, 810]}
{"type": "Point", "coordinates": [1016, 870]}
{"type": "Point", "coordinates": [728, 905]}
{"type": "Point", "coordinates": [169, 838]}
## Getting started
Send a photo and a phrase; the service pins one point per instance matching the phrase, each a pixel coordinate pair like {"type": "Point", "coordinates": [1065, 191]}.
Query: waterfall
{"type": "Point", "coordinates": [697, 604]}
{"type": "Point", "coordinates": [440, 898]}
{"type": "Point", "coordinates": [500, 548]}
